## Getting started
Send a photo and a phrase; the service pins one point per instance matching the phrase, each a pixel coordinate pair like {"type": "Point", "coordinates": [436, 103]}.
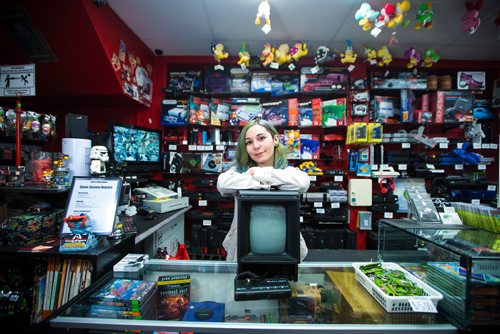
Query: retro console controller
{"type": "Point", "coordinates": [264, 288]}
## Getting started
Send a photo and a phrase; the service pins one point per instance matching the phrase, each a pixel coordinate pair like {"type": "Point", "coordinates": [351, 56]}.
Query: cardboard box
{"type": "Point", "coordinates": [471, 80]}
{"type": "Point", "coordinates": [29, 229]}
{"type": "Point", "coordinates": [452, 106]}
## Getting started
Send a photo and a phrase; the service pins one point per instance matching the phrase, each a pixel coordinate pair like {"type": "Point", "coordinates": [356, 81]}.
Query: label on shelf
{"type": "Point", "coordinates": [481, 167]}
{"type": "Point", "coordinates": [459, 167]}
{"type": "Point", "coordinates": [184, 142]}
{"type": "Point", "coordinates": [405, 145]}
{"type": "Point", "coordinates": [402, 167]}
{"type": "Point", "coordinates": [312, 177]}
{"type": "Point", "coordinates": [172, 147]}
{"type": "Point", "coordinates": [200, 147]}
{"type": "Point", "coordinates": [318, 204]}
{"type": "Point", "coordinates": [301, 219]}
{"type": "Point", "coordinates": [388, 215]}
{"type": "Point", "coordinates": [422, 304]}
{"type": "Point", "coordinates": [459, 145]}
{"type": "Point", "coordinates": [443, 145]}
{"type": "Point", "coordinates": [207, 222]}
{"type": "Point", "coordinates": [220, 148]}
{"type": "Point", "coordinates": [476, 146]}
{"type": "Point", "coordinates": [493, 146]}
{"type": "Point", "coordinates": [320, 210]}
{"type": "Point", "coordinates": [374, 167]}
{"type": "Point", "coordinates": [335, 205]}
{"type": "Point", "coordinates": [202, 202]}
{"type": "Point", "coordinates": [492, 187]}
{"type": "Point", "coordinates": [382, 167]}
{"type": "Point", "coordinates": [475, 202]}
{"type": "Point", "coordinates": [192, 147]}
{"type": "Point", "coordinates": [338, 178]}
{"type": "Point", "coordinates": [485, 146]}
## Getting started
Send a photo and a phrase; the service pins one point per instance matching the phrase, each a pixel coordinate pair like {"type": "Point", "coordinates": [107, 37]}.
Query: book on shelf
{"type": "Point", "coordinates": [174, 295]}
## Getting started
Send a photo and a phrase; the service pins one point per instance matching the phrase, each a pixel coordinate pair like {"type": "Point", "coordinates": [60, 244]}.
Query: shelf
{"type": "Point", "coordinates": [35, 189]}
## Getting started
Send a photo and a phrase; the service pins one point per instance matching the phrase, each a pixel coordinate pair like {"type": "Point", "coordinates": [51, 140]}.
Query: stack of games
{"type": "Point", "coordinates": [174, 296]}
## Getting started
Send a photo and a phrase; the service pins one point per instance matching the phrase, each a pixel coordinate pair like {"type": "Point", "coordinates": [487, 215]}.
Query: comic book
{"type": "Point", "coordinates": [173, 296]}
{"type": "Point", "coordinates": [124, 292]}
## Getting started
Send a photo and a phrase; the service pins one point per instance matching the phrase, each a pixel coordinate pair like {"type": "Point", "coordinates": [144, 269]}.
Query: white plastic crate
{"type": "Point", "coordinates": [392, 303]}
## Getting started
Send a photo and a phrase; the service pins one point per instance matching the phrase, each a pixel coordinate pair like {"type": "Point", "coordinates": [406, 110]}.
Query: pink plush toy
{"type": "Point", "coordinates": [471, 20]}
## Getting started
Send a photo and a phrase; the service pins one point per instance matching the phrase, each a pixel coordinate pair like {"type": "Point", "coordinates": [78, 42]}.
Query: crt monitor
{"type": "Point", "coordinates": [138, 147]}
{"type": "Point", "coordinates": [269, 233]}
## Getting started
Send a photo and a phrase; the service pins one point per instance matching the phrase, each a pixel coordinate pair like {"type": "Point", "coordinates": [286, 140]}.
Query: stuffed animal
{"type": "Point", "coordinates": [282, 54]}
{"type": "Point", "coordinates": [299, 50]}
{"type": "Point", "coordinates": [322, 54]}
{"type": "Point", "coordinates": [371, 54]}
{"type": "Point", "coordinates": [349, 56]}
{"type": "Point", "coordinates": [385, 56]}
{"type": "Point", "coordinates": [264, 10]}
{"type": "Point", "coordinates": [387, 13]}
{"type": "Point", "coordinates": [366, 16]}
{"type": "Point", "coordinates": [471, 20]}
{"type": "Point", "coordinates": [267, 54]}
{"type": "Point", "coordinates": [429, 58]}
{"type": "Point", "coordinates": [424, 16]}
{"type": "Point", "coordinates": [244, 55]}
{"type": "Point", "coordinates": [218, 52]}
{"type": "Point", "coordinates": [413, 57]}
{"type": "Point", "coordinates": [402, 9]}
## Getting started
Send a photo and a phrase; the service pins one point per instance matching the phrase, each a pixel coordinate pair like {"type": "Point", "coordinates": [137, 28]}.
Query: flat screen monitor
{"type": "Point", "coordinates": [138, 147]}
{"type": "Point", "coordinates": [269, 233]}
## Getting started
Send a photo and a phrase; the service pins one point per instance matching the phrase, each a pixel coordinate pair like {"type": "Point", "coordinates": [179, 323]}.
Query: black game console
{"type": "Point", "coordinates": [265, 288]}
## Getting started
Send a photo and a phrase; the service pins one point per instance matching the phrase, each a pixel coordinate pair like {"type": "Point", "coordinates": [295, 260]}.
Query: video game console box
{"type": "Point", "coordinates": [452, 106]}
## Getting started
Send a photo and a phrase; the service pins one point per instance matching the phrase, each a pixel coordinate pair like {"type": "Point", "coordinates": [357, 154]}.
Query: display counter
{"type": "Point", "coordinates": [459, 261]}
{"type": "Point", "coordinates": [343, 305]}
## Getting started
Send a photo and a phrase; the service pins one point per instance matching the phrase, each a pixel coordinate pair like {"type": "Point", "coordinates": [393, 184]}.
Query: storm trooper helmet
{"type": "Point", "coordinates": [99, 153]}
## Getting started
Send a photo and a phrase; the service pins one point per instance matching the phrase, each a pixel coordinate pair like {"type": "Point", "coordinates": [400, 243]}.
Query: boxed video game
{"type": "Point", "coordinates": [244, 109]}
{"type": "Point", "coordinates": [174, 112]}
{"type": "Point", "coordinates": [184, 82]}
{"type": "Point", "coordinates": [240, 80]}
{"type": "Point", "coordinates": [261, 82]}
{"type": "Point", "coordinates": [276, 112]}
{"type": "Point", "coordinates": [219, 112]}
{"type": "Point", "coordinates": [29, 229]}
{"type": "Point", "coordinates": [452, 106]}
{"type": "Point", "coordinates": [211, 162]}
{"type": "Point", "coordinates": [217, 82]}
{"type": "Point", "coordinates": [471, 80]}
{"type": "Point", "coordinates": [174, 294]}
{"type": "Point", "coordinates": [399, 80]}
{"type": "Point", "coordinates": [333, 112]}
{"type": "Point", "coordinates": [199, 112]}
{"type": "Point", "coordinates": [309, 113]}
{"type": "Point", "coordinates": [325, 80]}
{"type": "Point", "coordinates": [284, 84]}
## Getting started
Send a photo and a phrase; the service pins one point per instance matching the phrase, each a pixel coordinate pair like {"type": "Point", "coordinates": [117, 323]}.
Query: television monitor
{"type": "Point", "coordinates": [138, 147]}
{"type": "Point", "coordinates": [269, 233]}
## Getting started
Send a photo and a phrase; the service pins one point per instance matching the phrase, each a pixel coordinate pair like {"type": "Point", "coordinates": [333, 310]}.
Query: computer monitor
{"type": "Point", "coordinates": [269, 233]}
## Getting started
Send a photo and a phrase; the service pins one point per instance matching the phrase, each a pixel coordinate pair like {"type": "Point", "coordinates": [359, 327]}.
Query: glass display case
{"type": "Point", "coordinates": [327, 297]}
{"type": "Point", "coordinates": [459, 261]}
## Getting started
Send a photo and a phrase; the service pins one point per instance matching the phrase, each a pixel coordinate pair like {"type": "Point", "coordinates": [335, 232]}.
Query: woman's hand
{"type": "Point", "coordinates": [251, 171]}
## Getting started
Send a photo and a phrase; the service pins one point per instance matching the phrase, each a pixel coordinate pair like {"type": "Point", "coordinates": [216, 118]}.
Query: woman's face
{"type": "Point", "coordinates": [260, 145]}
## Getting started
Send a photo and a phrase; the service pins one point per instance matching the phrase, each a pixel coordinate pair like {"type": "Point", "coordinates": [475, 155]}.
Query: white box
{"type": "Point", "coordinates": [166, 205]}
{"type": "Point", "coordinates": [360, 192]}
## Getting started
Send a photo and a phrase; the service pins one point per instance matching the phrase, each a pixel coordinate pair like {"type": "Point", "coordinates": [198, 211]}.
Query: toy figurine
{"type": "Point", "coordinates": [402, 9]}
{"type": "Point", "coordinates": [366, 16]}
{"type": "Point", "coordinates": [413, 56]}
{"type": "Point", "coordinates": [387, 13]}
{"type": "Point", "coordinates": [385, 55]}
{"type": "Point", "coordinates": [244, 55]}
{"type": "Point", "coordinates": [282, 54]}
{"type": "Point", "coordinates": [267, 54]}
{"type": "Point", "coordinates": [349, 56]}
{"type": "Point", "coordinates": [322, 54]}
{"type": "Point", "coordinates": [78, 224]}
{"type": "Point", "coordinates": [299, 50]}
{"type": "Point", "coordinates": [424, 16]}
{"type": "Point", "coordinates": [81, 237]}
{"type": "Point", "coordinates": [218, 51]}
{"type": "Point", "coordinates": [264, 10]}
{"type": "Point", "coordinates": [471, 20]}
{"type": "Point", "coordinates": [371, 54]}
{"type": "Point", "coordinates": [99, 156]}
{"type": "Point", "coordinates": [429, 58]}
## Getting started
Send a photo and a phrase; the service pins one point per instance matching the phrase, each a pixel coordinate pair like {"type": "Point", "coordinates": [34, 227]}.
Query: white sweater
{"type": "Point", "coordinates": [231, 181]}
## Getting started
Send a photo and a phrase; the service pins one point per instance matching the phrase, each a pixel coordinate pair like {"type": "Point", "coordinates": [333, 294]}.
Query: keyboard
{"type": "Point", "coordinates": [126, 224]}
{"type": "Point", "coordinates": [266, 288]}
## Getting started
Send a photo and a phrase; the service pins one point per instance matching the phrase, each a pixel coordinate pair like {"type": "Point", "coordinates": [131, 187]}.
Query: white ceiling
{"type": "Point", "coordinates": [188, 27]}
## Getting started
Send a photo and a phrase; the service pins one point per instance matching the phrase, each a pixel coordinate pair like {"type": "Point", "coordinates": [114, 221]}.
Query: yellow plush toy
{"type": "Point", "coordinates": [349, 56]}
{"type": "Point", "coordinates": [267, 55]}
{"type": "Point", "coordinates": [299, 50]}
{"type": "Point", "coordinates": [244, 55]}
{"type": "Point", "coordinates": [371, 54]}
{"type": "Point", "coordinates": [282, 54]}
{"type": "Point", "coordinates": [385, 55]}
{"type": "Point", "coordinates": [218, 52]}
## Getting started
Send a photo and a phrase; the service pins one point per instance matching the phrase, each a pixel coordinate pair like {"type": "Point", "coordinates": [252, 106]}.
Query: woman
{"type": "Point", "coordinates": [260, 163]}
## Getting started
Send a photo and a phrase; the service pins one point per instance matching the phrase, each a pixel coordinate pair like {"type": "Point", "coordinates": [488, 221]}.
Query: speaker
{"type": "Point", "coordinates": [76, 126]}
{"type": "Point", "coordinates": [388, 186]}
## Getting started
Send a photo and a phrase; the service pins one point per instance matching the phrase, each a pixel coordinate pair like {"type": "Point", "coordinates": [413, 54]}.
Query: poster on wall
{"type": "Point", "coordinates": [17, 80]}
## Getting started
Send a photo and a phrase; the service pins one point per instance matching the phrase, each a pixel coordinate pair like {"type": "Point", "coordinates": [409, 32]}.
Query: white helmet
{"type": "Point", "coordinates": [99, 153]}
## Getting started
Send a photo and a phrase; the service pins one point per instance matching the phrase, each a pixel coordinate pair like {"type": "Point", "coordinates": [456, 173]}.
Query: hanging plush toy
{"type": "Point", "coordinates": [349, 56]}
{"type": "Point", "coordinates": [366, 16]}
{"type": "Point", "coordinates": [218, 51]}
{"type": "Point", "coordinates": [267, 54]}
{"type": "Point", "coordinates": [413, 56]}
{"type": "Point", "coordinates": [387, 13]}
{"type": "Point", "coordinates": [299, 50]}
{"type": "Point", "coordinates": [244, 55]}
{"type": "Point", "coordinates": [399, 19]}
{"type": "Point", "coordinates": [471, 20]}
{"type": "Point", "coordinates": [385, 56]}
{"type": "Point", "coordinates": [429, 58]}
{"type": "Point", "coordinates": [424, 16]}
{"type": "Point", "coordinates": [322, 54]}
{"type": "Point", "coordinates": [264, 10]}
{"type": "Point", "coordinates": [282, 54]}
{"type": "Point", "coordinates": [371, 54]}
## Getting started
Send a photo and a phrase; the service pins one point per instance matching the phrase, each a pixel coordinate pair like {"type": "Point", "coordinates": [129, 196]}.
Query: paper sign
{"type": "Point", "coordinates": [422, 304]}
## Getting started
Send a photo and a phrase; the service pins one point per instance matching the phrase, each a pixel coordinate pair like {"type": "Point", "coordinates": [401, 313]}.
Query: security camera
{"type": "Point", "coordinates": [100, 3]}
{"type": "Point", "coordinates": [159, 52]}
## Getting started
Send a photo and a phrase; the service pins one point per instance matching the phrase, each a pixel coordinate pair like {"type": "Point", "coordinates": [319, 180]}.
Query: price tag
{"type": "Point", "coordinates": [335, 205]}
{"type": "Point", "coordinates": [373, 61]}
{"type": "Point", "coordinates": [375, 32]}
{"type": "Point", "coordinates": [459, 145]}
{"type": "Point", "coordinates": [320, 210]}
{"type": "Point", "coordinates": [382, 167]}
{"type": "Point", "coordinates": [481, 167]}
{"type": "Point", "coordinates": [301, 219]}
{"type": "Point", "coordinates": [314, 69]}
{"type": "Point", "coordinates": [422, 304]}
{"type": "Point", "coordinates": [459, 167]}
{"type": "Point", "coordinates": [266, 28]}
{"type": "Point", "coordinates": [318, 204]}
{"type": "Point", "coordinates": [312, 177]}
{"type": "Point", "coordinates": [338, 178]}
{"type": "Point", "coordinates": [220, 148]}
{"type": "Point", "coordinates": [492, 187]}
{"type": "Point", "coordinates": [192, 147]}
{"type": "Point", "coordinates": [243, 66]}
{"type": "Point", "coordinates": [202, 202]}
{"type": "Point", "coordinates": [351, 68]}
{"type": "Point", "coordinates": [443, 145]}
{"type": "Point", "coordinates": [486, 146]}
{"type": "Point", "coordinates": [475, 202]}
{"type": "Point", "coordinates": [219, 67]}
{"type": "Point", "coordinates": [184, 142]}
{"type": "Point", "coordinates": [493, 146]}
{"type": "Point", "coordinates": [402, 167]}
{"type": "Point", "coordinates": [374, 167]}
{"type": "Point", "coordinates": [200, 147]}
{"type": "Point", "coordinates": [172, 147]}
{"type": "Point", "coordinates": [207, 222]}
{"type": "Point", "coordinates": [476, 146]}
{"type": "Point", "coordinates": [405, 145]}
{"type": "Point", "coordinates": [388, 215]}
{"type": "Point", "coordinates": [291, 67]}
{"type": "Point", "coordinates": [430, 166]}
{"type": "Point", "coordinates": [274, 65]}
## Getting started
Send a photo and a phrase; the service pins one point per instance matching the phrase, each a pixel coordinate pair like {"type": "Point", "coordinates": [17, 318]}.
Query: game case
{"type": "Point", "coordinates": [333, 112]}
{"type": "Point", "coordinates": [198, 111]}
{"type": "Point", "coordinates": [217, 82]}
{"type": "Point", "coordinates": [174, 295]}
{"type": "Point", "coordinates": [211, 162]}
{"type": "Point", "coordinates": [219, 112]}
{"type": "Point", "coordinates": [240, 80]}
{"type": "Point", "coordinates": [276, 112]}
{"type": "Point", "coordinates": [124, 292]}
{"type": "Point", "coordinates": [174, 112]}
{"type": "Point", "coordinates": [291, 140]}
